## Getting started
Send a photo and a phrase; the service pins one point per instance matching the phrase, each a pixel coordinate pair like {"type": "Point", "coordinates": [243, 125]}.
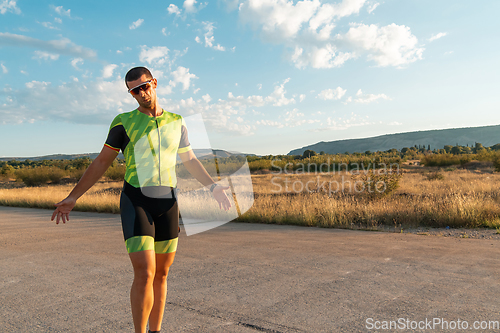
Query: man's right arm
{"type": "Point", "coordinates": [93, 173]}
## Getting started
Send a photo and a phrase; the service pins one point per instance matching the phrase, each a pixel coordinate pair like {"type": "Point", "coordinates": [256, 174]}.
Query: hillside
{"type": "Point", "coordinates": [437, 139]}
{"type": "Point", "coordinates": [200, 153]}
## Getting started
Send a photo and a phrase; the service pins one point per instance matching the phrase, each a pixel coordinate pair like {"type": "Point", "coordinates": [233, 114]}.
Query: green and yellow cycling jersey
{"type": "Point", "coordinates": [150, 146]}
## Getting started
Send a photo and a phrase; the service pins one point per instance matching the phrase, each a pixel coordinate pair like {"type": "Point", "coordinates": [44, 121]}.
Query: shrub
{"type": "Point", "coordinates": [376, 185]}
{"type": "Point", "coordinates": [434, 176]}
{"type": "Point", "coordinates": [496, 164]}
{"type": "Point", "coordinates": [39, 175]}
{"type": "Point", "coordinates": [76, 173]}
{"type": "Point", "coordinates": [115, 172]}
{"type": "Point", "coordinates": [7, 171]}
{"type": "Point", "coordinates": [442, 160]}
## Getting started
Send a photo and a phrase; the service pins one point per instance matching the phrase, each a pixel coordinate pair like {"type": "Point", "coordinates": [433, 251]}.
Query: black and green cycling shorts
{"type": "Point", "coordinates": [149, 223]}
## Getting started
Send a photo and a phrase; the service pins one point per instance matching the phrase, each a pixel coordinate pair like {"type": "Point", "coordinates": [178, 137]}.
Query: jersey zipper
{"type": "Point", "coordinates": [159, 150]}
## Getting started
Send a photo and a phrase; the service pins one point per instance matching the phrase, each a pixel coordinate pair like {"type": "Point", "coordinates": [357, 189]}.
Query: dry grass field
{"type": "Point", "coordinates": [425, 197]}
{"type": "Point", "coordinates": [103, 197]}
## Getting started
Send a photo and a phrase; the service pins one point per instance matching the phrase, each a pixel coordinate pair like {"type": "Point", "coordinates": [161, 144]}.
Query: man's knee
{"type": "Point", "coordinates": [144, 275]}
{"type": "Point", "coordinates": [144, 266]}
{"type": "Point", "coordinates": [161, 274]}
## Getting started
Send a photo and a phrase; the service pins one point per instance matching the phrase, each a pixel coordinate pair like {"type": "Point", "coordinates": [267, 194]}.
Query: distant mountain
{"type": "Point", "coordinates": [200, 153]}
{"type": "Point", "coordinates": [55, 157]}
{"type": "Point", "coordinates": [437, 139]}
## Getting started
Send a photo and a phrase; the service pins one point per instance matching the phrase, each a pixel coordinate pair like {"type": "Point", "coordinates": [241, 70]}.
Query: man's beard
{"type": "Point", "coordinates": [147, 104]}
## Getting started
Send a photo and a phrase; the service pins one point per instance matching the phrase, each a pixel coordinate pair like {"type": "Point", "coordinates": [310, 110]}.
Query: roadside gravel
{"type": "Point", "coordinates": [459, 233]}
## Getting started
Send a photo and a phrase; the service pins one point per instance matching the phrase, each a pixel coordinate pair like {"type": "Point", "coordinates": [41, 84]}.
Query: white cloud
{"type": "Point", "coordinates": [369, 98]}
{"type": "Point", "coordinates": [293, 115]}
{"type": "Point", "coordinates": [45, 55]}
{"type": "Point", "coordinates": [347, 7]}
{"type": "Point", "coordinates": [282, 19]}
{"type": "Point", "coordinates": [218, 47]}
{"type": "Point", "coordinates": [61, 46]}
{"type": "Point", "coordinates": [35, 101]}
{"type": "Point", "coordinates": [242, 102]}
{"type": "Point", "coordinates": [306, 29]}
{"type": "Point", "coordinates": [58, 20]}
{"type": "Point", "coordinates": [437, 36]}
{"type": "Point", "coordinates": [189, 6]}
{"type": "Point", "coordinates": [182, 75]}
{"type": "Point", "coordinates": [229, 115]}
{"type": "Point", "coordinates": [273, 123]}
{"type": "Point", "coordinates": [278, 19]}
{"type": "Point", "coordinates": [372, 7]}
{"type": "Point", "coordinates": [277, 98]}
{"type": "Point", "coordinates": [49, 25]}
{"type": "Point", "coordinates": [173, 9]}
{"type": "Point", "coordinates": [164, 32]}
{"type": "Point", "coordinates": [108, 70]}
{"type": "Point", "coordinates": [259, 86]}
{"type": "Point", "coordinates": [206, 98]}
{"type": "Point", "coordinates": [344, 123]}
{"type": "Point", "coordinates": [392, 45]}
{"type": "Point", "coordinates": [61, 11]}
{"type": "Point", "coordinates": [136, 24]}
{"type": "Point", "coordinates": [154, 55]}
{"type": "Point", "coordinates": [325, 57]}
{"type": "Point", "coordinates": [302, 97]}
{"type": "Point", "coordinates": [9, 6]}
{"type": "Point", "coordinates": [75, 62]}
{"type": "Point", "coordinates": [4, 69]}
{"type": "Point", "coordinates": [221, 116]}
{"type": "Point", "coordinates": [292, 118]}
{"type": "Point", "coordinates": [332, 94]}
{"type": "Point", "coordinates": [209, 37]}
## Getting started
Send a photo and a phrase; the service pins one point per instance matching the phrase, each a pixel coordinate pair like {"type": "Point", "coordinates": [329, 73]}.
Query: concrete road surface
{"type": "Point", "coordinates": [245, 278]}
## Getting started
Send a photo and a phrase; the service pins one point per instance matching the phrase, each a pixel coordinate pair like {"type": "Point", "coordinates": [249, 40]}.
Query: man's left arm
{"type": "Point", "coordinates": [196, 169]}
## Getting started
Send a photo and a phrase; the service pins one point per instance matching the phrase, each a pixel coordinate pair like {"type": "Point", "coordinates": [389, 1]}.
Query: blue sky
{"type": "Point", "coordinates": [267, 76]}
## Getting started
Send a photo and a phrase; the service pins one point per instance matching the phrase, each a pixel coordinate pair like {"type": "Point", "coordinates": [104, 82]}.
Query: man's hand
{"type": "Point", "coordinates": [221, 197]}
{"type": "Point", "coordinates": [63, 209]}
{"type": "Point", "coordinates": [95, 171]}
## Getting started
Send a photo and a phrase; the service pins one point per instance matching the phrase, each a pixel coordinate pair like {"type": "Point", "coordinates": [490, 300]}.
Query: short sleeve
{"type": "Point", "coordinates": [184, 144]}
{"type": "Point", "coordinates": [116, 135]}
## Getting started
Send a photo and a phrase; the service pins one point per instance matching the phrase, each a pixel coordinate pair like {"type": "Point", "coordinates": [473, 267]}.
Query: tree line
{"type": "Point", "coordinates": [43, 171]}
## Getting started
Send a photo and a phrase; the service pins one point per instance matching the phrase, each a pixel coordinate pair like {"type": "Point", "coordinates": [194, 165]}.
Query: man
{"type": "Point", "coordinates": [150, 138]}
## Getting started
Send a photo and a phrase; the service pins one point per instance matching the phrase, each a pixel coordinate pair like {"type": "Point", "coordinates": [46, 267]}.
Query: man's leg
{"type": "Point", "coordinates": [141, 294]}
{"type": "Point", "coordinates": [163, 263]}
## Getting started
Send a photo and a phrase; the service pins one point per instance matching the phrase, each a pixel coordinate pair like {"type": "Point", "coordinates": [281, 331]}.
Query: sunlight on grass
{"type": "Point", "coordinates": [95, 200]}
{"type": "Point", "coordinates": [460, 198]}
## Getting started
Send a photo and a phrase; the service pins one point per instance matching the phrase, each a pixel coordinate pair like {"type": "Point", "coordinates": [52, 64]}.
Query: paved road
{"type": "Point", "coordinates": [241, 278]}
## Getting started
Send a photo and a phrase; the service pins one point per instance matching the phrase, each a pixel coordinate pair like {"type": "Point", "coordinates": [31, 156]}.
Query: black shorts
{"type": "Point", "coordinates": [149, 223]}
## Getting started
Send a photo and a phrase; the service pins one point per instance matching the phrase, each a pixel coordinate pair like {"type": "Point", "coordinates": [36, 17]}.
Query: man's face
{"type": "Point", "coordinates": [146, 94]}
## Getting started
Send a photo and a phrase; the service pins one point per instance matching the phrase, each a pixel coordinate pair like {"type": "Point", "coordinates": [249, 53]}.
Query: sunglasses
{"type": "Point", "coordinates": [143, 86]}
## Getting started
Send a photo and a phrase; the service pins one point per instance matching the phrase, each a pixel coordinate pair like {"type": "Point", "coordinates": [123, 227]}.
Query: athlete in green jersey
{"type": "Point", "coordinates": [150, 139]}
